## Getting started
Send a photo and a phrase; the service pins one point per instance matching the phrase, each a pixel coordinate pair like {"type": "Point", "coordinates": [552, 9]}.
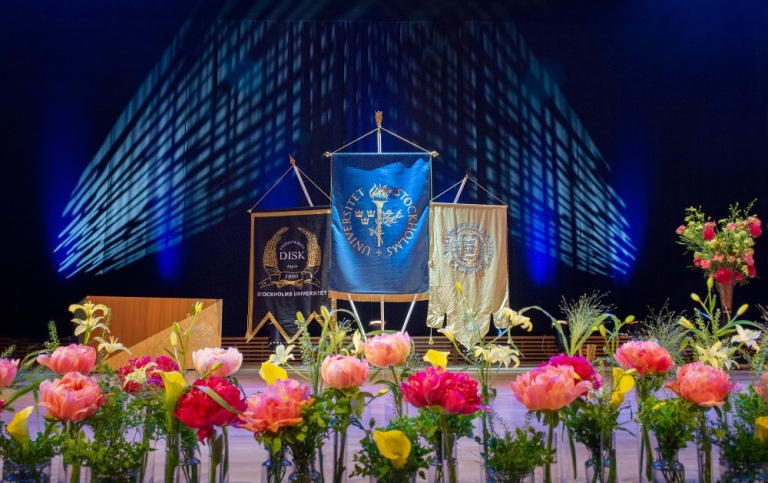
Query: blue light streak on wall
{"type": "Point", "coordinates": [210, 130]}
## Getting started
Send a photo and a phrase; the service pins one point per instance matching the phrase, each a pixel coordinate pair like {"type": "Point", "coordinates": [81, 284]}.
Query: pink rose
{"type": "Point", "coordinates": [748, 258]}
{"type": "Point", "coordinates": [72, 358]}
{"type": "Point", "coordinates": [701, 384]}
{"type": "Point", "coordinates": [276, 407]}
{"type": "Point", "coordinates": [74, 397]}
{"type": "Point", "coordinates": [724, 276]}
{"type": "Point", "coordinates": [704, 263]}
{"type": "Point", "coordinates": [680, 229]}
{"type": "Point", "coordinates": [387, 350]}
{"type": "Point", "coordinates": [548, 387]}
{"type": "Point", "coordinates": [717, 257]}
{"type": "Point", "coordinates": [648, 358]}
{"type": "Point", "coordinates": [709, 225]}
{"type": "Point", "coordinates": [454, 392]}
{"type": "Point", "coordinates": [344, 372]}
{"type": "Point", "coordinates": [205, 359]}
{"type": "Point", "coordinates": [709, 234]}
{"type": "Point", "coordinates": [8, 370]}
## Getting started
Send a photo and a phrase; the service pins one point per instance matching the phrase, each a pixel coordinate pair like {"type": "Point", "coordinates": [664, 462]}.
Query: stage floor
{"type": "Point", "coordinates": [247, 456]}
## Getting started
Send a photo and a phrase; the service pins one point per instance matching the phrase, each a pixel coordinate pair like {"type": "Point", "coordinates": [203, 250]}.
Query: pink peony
{"type": "Point", "coordinates": [708, 234]}
{"type": "Point", "coordinates": [74, 397]}
{"type": "Point", "coordinates": [205, 359]}
{"type": "Point", "coordinates": [761, 386]}
{"type": "Point", "coordinates": [72, 358]}
{"type": "Point", "coordinates": [581, 366]}
{"type": "Point", "coordinates": [344, 372]}
{"type": "Point", "coordinates": [453, 392]}
{"type": "Point", "coordinates": [387, 350]}
{"type": "Point", "coordinates": [648, 358]}
{"type": "Point", "coordinates": [278, 406]}
{"type": "Point", "coordinates": [548, 387]}
{"type": "Point", "coordinates": [701, 384]}
{"type": "Point", "coordinates": [724, 276]}
{"type": "Point", "coordinates": [8, 370]}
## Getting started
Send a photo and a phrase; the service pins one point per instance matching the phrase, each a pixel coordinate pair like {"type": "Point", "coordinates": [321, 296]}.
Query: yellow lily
{"type": "Point", "coordinates": [271, 373]}
{"type": "Point", "coordinates": [393, 445]}
{"type": "Point", "coordinates": [437, 358]}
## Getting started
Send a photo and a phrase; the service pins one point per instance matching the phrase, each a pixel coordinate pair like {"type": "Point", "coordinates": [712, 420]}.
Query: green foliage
{"type": "Point", "coordinates": [589, 422]}
{"type": "Point", "coordinates": [740, 444]}
{"type": "Point", "coordinates": [370, 462]}
{"type": "Point", "coordinates": [117, 444]}
{"type": "Point", "coordinates": [664, 327]}
{"type": "Point", "coordinates": [584, 316]}
{"type": "Point", "coordinates": [34, 451]}
{"type": "Point", "coordinates": [429, 426]}
{"type": "Point", "coordinates": [672, 421]}
{"type": "Point", "coordinates": [518, 452]}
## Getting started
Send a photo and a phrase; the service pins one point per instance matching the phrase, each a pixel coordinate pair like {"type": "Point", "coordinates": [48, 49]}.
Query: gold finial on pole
{"type": "Point", "coordinates": [379, 118]}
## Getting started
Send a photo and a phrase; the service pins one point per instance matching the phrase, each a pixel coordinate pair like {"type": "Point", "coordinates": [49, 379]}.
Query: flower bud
{"type": "Point", "coordinates": [742, 309]}
{"type": "Point", "coordinates": [695, 297]}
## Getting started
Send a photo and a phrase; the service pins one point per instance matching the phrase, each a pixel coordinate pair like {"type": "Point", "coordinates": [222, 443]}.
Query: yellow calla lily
{"type": "Point", "coordinates": [393, 445]}
{"type": "Point", "coordinates": [437, 358]}
{"type": "Point", "coordinates": [174, 386]}
{"type": "Point", "coordinates": [622, 384]}
{"type": "Point", "coordinates": [761, 424]}
{"type": "Point", "coordinates": [18, 428]}
{"type": "Point", "coordinates": [271, 373]}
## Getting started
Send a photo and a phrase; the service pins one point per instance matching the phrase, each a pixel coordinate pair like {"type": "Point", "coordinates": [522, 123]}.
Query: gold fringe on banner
{"type": "Point", "coordinates": [375, 297]}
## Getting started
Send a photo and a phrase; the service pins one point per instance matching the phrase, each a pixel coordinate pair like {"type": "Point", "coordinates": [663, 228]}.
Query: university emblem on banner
{"type": "Point", "coordinates": [291, 258]}
{"type": "Point", "coordinates": [468, 248]}
{"type": "Point", "coordinates": [379, 221]}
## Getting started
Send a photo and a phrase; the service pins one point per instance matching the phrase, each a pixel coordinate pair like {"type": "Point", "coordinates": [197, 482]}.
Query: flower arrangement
{"type": "Point", "coordinates": [593, 420]}
{"type": "Point", "coordinates": [393, 453]}
{"type": "Point", "coordinates": [511, 456]}
{"type": "Point", "coordinates": [546, 390]}
{"type": "Point", "coordinates": [674, 424]}
{"type": "Point", "coordinates": [744, 445]}
{"type": "Point", "coordinates": [446, 401]}
{"type": "Point", "coordinates": [723, 249]}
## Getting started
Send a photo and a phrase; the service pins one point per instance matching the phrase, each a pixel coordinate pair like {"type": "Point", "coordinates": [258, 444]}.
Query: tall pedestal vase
{"type": "Point", "coordinates": [725, 293]}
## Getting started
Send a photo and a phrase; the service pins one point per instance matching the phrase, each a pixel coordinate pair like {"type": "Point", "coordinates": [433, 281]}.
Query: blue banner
{"type": "Point", "coordinates": [380, 223]}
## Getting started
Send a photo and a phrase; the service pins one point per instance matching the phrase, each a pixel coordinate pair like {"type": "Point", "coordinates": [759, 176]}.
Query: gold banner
{"type": "Point", "coordinates": [469, 246]}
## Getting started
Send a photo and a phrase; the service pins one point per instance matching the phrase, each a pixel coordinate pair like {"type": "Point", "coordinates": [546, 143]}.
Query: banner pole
{"type": "Point", "coordinates": [408, 316]}
{"type": "Point", "coordinates": [352, 304]}
{"type": "Point", "coordinates": [461, 188]}
{"type": "Point", "coordinates": [381, 312]}
{"type": "Point", "coordinates": [301, 180]}
{"type": "Point", "coordinates": [379, 117]}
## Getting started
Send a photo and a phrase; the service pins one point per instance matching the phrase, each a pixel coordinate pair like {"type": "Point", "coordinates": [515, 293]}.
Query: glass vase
{"type": "Point", "coordinates": [338, 467]}
{"type": "Point", "coordinates": [275, 469]}
{"type": "Point", "coordinates": [704, 459]}
{"type": "Point", "coordinates": [743, 473]}
{"type": "Point", "coordinates": [444, 466]}
{"type": "Point", "coordinates": [188, 470]}
{"type": "Point", "coordinates": [218, 457]}
{"type": "Point", "coordinates": [597, 468]}
{"type": "Point", "coordinates": [510, 476]}
{"type": "Point", "coordinates": [125, 476]}
{"type": "Point", "coordinates": [645, 444]}
{"type": "Point", "coordinates": [668, 469]}
{"type": "Point", "coordinates": [16, 473]}
{"type": "Point", "coordinates": [147, 470]}
{"type": "Point", "coordinates": [395, 477]}
{"type": "Point", "coordinates": [304, 471]}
